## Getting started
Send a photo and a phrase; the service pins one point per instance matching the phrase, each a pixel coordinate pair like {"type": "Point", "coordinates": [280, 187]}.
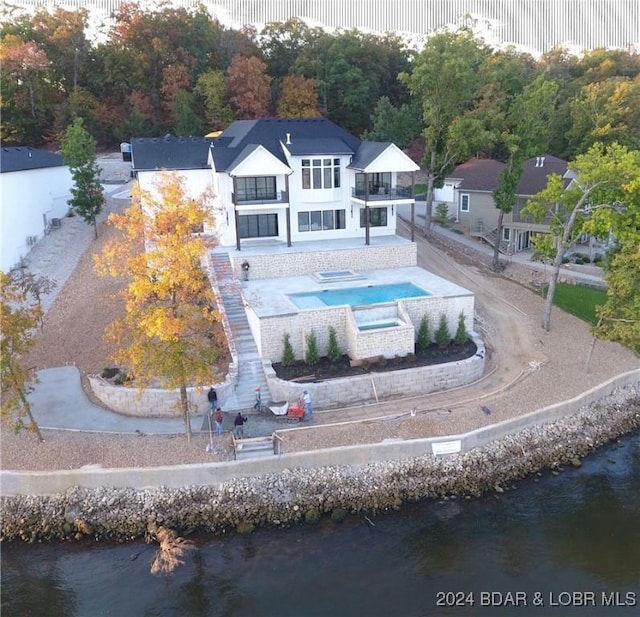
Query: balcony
{"type": "Point", "coordinates": [280, 197]}
{"type": "Point", "coordinates": [382, 192]}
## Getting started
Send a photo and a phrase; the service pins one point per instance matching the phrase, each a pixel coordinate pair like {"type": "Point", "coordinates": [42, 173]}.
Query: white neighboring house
{"type": "Point", "coordinates": [187, 156]}
{"type": "Point", "coordinates": [35, 186]}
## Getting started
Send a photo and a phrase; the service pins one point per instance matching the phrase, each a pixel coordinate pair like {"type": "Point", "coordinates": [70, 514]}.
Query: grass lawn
{"type": "Point", "coordinates": [579, 301]}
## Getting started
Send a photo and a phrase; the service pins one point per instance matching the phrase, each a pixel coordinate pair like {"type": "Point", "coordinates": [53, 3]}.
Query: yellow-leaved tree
{"type": "Point", "coordinates": [19, 319]}
{"type": "Point", "coordinates": [170, 334]}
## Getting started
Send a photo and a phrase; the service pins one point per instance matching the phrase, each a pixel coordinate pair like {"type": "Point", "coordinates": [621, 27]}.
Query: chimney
{"type": "Point", "coordinates": [288, 142]}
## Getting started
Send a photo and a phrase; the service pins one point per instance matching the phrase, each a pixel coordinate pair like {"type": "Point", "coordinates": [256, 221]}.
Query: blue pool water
{"type": "Point", "coordinates": [356, 296]}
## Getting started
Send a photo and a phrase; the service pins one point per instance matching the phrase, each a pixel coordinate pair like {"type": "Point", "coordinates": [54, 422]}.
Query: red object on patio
{"type": "Point", "coordinates": [296, 410]}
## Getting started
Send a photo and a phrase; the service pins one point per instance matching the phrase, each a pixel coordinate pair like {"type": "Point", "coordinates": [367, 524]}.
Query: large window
{"type": "Point", "coordinates": [320, 173]}
{"type": "Point", "coordinates": [258, 225]}
{"type": "Point", "coordinates": [377, 217]}
{"type": "Point", "coordinates": [379, 184]}
{"type": "Point", "coordinates": [318, 220]}
{"type": "Point", "coordinates": [256, 189]}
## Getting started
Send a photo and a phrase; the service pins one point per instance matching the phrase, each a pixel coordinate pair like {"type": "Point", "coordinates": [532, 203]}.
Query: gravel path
{"type": "Point", "coordinates": [527, 368]}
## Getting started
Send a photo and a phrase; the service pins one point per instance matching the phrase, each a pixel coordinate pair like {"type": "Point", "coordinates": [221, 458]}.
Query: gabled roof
{"type": "Point", "coordinates": [536, 172]}
{"type": "Point", "coordinates": [368, 152]}
{"type": "Point", "coordinates": [300, 136]}
{"type": "Point", "coordinates": [22, 158]}
{"type": "Point", "coordinates": [169, 152]}
{"type": "Point", "coordinates": [478, 174]}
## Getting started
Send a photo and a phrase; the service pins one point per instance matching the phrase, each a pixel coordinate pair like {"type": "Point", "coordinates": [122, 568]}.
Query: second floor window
{"type": "Point", "coordinates": [256, 189]}
{"type": "Point", "coordinates": [320, 173]}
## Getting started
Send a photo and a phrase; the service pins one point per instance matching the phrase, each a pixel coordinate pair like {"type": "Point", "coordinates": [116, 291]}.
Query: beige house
{"type": "Point", "coordinates": [474, 208]}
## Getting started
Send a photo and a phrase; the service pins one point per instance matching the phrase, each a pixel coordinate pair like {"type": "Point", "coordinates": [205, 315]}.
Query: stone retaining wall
{"type": "Point", "coordinates": [303, 487]}
{"type": "Point", "coordinates": [296, 263]}
{"type": "Point", "coordinates": [386, 385]}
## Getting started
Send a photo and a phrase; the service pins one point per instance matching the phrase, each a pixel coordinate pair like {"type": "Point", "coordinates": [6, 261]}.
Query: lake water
{"type": "Point", "coordinates": [572, 538]}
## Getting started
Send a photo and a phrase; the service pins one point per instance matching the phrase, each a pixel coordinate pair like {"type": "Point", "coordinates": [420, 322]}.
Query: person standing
{"type": "Point", "coordinates": [238, 426]}
{"type": "Point", "coordinates": [305, 399]}
{"type": "Point", "coordinates": [218, 419]}
{"type": "Point", "coordinates": [212, 397]}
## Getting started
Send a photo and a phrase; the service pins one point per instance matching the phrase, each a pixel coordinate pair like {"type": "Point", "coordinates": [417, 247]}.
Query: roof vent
{"type": "Point", "coordinates": [288, 139]}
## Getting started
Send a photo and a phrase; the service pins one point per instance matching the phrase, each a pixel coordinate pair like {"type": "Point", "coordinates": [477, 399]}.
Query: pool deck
{"type": "Point", "coordinates": [269, 297]}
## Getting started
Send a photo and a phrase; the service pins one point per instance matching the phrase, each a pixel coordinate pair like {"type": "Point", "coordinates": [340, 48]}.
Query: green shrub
{"type": "Point", "coordinates": [312, 357]}
{"type": "Point", "coordinates": [461, 333]}
{"type": "Point", "coordinates": [424, 337]}
{"type": "Point", "coordinates": [288, 357]}
{"type": "Point", "coordinates": [443, 336]}
{"type": "Point", "coordinates": [382, 363]}
{"type": "Point", "coordinates": [442, 212]}
{"type": "Point", "coordinates": [333, 351]}
{"type": "Point", "coordinates": [411, 357]}
{"type": "Point", "coordinates": [108, 373]}
{"type": "Point", "coordinates": [121, 378]}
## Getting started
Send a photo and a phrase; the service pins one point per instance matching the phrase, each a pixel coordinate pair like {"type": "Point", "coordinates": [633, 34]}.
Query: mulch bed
{"type": "Point", "coordinates": [325, 369]}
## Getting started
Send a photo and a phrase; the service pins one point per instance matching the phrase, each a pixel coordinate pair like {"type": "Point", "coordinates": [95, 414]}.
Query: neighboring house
{"type": "Point", "coordinates": [35, 186]}
{"type": "Point", "coordinates": [188, 156]}
{"type": "Point", "coordinates": [474, 207]}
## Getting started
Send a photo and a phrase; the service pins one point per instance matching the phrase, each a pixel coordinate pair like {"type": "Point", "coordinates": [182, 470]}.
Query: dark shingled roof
{"type": "Point", "coordinates": [307, 136]}
{"type": "Point", "coordinates": [368, 152]}
{"type": "Point", "coordinates": [169, 152]}
{"type": "Point", "coordinates": [478, 174]}
{"type": "Point", "coordinates": [22, 158]}
{"type": "Point", "coordinates": [536, 172]}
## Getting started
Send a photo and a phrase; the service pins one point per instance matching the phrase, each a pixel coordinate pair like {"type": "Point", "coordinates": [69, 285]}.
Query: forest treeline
{"type": "Point", "coordinates": [177, 70]}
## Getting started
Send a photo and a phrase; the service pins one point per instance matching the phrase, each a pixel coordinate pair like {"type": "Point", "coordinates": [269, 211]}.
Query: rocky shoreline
{"type": "Point", "coordinates": [305, 495]}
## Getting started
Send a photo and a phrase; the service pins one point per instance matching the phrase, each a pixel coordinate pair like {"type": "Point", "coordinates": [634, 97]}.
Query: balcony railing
{"type": "Point", "coordinates": [281, 197]}
{"type": "Point", "coordinates": [382, 193]}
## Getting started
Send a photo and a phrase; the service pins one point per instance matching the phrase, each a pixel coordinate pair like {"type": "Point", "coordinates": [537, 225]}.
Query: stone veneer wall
{"type": "Point", "coordinates": [156, 402]}
{"type": "Point", "coordinates": [299, 263]}
{"type": "Point", "coordinates": [269, 331]}
{"type": "Point", "coordinates": [388, 342]}
{"type": "Point", "coordinates": [391, 384]}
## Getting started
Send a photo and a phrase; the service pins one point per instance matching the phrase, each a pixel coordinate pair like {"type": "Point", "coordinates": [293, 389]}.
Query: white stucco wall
{"type": "Point", "coordinates": [28, 201]}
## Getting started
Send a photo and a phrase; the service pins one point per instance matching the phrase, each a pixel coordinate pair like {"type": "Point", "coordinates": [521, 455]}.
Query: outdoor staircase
{"type": "Point", "coordinates": [490, 236]}
{"type": "Point", "coordinates": [250, 372]}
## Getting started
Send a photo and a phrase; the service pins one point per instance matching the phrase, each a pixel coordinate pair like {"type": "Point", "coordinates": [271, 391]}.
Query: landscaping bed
{"type": "Point", "coordinates": [326, 369]}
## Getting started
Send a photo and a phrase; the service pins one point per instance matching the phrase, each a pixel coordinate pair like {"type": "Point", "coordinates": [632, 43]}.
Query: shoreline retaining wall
{"type": "Point", "coordinates": [13, 483]}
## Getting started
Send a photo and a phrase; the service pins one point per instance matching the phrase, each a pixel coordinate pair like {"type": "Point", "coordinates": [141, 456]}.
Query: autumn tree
{"type": "Point", "coordinates": [79, 153]}
{"type": "Point", "coordinates": [169, 334]}
{"type": "Point", "coordinates": [248, 88]}
{"type": "Point", "coordinates": [298, 98]}
{"type": "Point", "coordinates": [23, 66]}
{"type": "Point", "coordinates": [606, 178]}
{"type": "Point", "coordinates": [19, 318]}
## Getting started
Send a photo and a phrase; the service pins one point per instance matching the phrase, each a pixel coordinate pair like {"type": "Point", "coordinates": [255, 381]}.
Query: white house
{"type": "Point", "coordinates": [285, 179]}
{"type": "Point", "coordinates": [302, 207]}
{"type": "Point", "coordinates": [35, 186]}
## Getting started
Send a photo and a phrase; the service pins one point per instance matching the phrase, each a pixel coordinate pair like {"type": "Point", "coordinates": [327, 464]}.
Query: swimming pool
{"type": "Point", "coordinates": [356, 296]}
